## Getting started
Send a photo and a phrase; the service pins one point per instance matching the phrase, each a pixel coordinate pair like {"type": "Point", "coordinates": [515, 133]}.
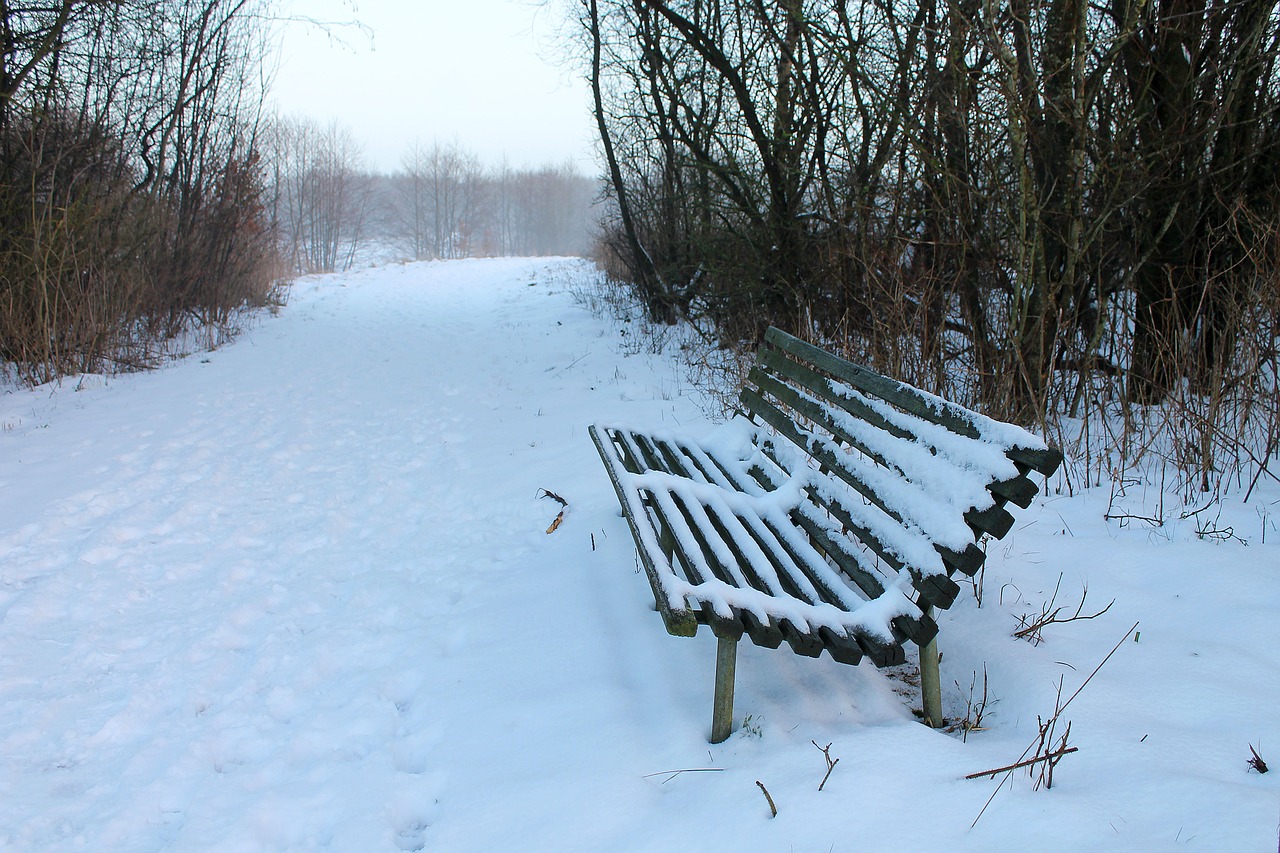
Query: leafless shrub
{"type": "Point", "coordinates": [975, 708]}
{"type": "Point", "coordinates": [1031, 625]}
{"type": "Point", "coordinates": [130, 186]}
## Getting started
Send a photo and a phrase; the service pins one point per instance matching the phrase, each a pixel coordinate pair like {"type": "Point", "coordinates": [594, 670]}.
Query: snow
{"type": "Point", "coordinates": [297, 594]}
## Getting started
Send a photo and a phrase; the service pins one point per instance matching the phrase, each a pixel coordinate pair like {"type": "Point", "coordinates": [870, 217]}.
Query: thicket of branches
{"type": "Point", "coordinates": [1037, 208]}
{"type": "Point", "coordinates": [441, 203]}
{"type": "Point", "coordinates": [130, 180]}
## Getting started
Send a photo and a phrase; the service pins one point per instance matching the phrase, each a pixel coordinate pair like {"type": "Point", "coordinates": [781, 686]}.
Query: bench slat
{"type": "Point", "coordinates": [700, 567]}
{"type": "Point", "coordinates": [851, 470]}
{"type": "Point", "coordinates": [1018, 488]}
{"type": "Point", "coordinates": [854, 518]}
{"type": "Point", "coordinates": [993, 519]}
{"type": "Point", "coordinates": [932, 408]}
{"type": "Point", "coordinates": [769, 556]}
{"type": "Point", "coordinates": [679, 622]}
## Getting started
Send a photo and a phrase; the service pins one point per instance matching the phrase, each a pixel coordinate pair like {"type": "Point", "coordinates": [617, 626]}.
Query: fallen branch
{"type": "Point", "coordinates": [992, 773]}
{"type": "Point", "coordinates": [1059, 707]}
{"type": "Point", "coordinates": [1031, 628]}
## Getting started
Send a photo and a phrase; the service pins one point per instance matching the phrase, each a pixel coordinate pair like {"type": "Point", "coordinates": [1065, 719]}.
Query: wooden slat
{"type": "Point", "coordinates": [679, 622]}
{"type": "Point", "coordinates": [767, 634]}
{"type": "Point", "coordinates": [722, 626]}
{"type": "Point", "coordinates": [994, 520]}
{"type": "Point", "coordinates": [997, 521]}
{"type": "Point", "coordinates": [940, 589]}
{"type": "Point", "coordinates": [842, 647]}
{"type": "Point", "coordinates": [1020, 490]}
{"type": "Point", "coordinates": [802, 640]}
{"type": "Point", "coordinates": [904, 396]}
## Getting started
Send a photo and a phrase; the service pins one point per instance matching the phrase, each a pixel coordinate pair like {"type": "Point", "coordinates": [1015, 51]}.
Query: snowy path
{"type": "Point", "coordinates": [297, 595]}
{"type": "Point", "coordinates": [255, 586]}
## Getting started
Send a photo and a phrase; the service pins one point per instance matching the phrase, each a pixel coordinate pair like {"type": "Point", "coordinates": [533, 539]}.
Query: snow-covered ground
{"type": "Point", "coordinates": [298, 594]}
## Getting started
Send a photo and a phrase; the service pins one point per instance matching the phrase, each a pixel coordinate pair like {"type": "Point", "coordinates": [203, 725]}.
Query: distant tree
{"type": "Point", "coordinates": [443, 204]}
{"type": "Point", "coordinates": [322, 193]}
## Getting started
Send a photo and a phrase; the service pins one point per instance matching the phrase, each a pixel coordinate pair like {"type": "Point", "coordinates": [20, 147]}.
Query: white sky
{"type": "Point", "coordinates": [484, 73]}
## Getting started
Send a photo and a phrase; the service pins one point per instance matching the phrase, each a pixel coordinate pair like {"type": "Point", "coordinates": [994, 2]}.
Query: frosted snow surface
{"type": "Point", "coordinates": [297, 595]}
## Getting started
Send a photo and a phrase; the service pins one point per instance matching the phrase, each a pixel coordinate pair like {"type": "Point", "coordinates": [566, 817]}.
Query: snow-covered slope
{"type": "Point", "coordinates": [297, 594]}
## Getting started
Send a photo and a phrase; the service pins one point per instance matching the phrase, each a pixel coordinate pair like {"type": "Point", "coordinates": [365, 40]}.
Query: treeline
{"type": "Point", "coordinates": [130, 178]}
{"type": "Point", "coordinates": [441, 203]}
{"type": "Point", "coordinates": [148, 198]}
{"type": "Point", "coordinates": [1031, 207]}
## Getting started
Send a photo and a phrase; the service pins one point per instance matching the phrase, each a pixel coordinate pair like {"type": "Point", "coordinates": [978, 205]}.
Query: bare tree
{"type": "Point", "coordinates": [322, 194]}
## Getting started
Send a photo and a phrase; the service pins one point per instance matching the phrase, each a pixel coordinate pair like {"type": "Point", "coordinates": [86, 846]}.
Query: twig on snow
{"type": "Point", "coordinates": [831, 764]}
{"type": "Point", "coordinates": [1030, 761]}
{"type": "Point", "coordinates": [772, 807]}
{"type": "Point", "coordinates": [1040, 736]}
{"type": "Point", "coordinates": [547, 493]}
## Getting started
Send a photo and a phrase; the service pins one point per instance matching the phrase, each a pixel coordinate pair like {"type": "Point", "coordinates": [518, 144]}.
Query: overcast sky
{"type": "Point", "coordinates": [485, 73]}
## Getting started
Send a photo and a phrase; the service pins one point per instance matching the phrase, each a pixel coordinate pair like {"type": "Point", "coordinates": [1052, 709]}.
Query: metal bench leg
{"type": "Point", "coordinates": [722, 712]}
{"type": "Point", "coordinates": [931, 682]}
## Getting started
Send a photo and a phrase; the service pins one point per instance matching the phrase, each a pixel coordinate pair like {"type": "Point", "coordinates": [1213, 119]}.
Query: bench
{"type": "Point", "coordinates": [833, 513]}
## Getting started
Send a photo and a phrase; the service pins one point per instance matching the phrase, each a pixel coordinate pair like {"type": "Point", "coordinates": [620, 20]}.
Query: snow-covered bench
{"type": "Point", "coordinates": [832, 515]}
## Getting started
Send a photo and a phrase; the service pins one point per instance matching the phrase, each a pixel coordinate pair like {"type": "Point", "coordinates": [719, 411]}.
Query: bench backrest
{"type": "Point", "coordinates": [922, 478]}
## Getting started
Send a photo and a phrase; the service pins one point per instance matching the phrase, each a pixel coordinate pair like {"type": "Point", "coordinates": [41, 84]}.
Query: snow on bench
{"type": "Point", "coordinates": [832, 515]}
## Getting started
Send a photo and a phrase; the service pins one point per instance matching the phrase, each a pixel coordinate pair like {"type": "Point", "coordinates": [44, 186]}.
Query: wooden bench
{"type": "Point", "coordinates": [833, 513]}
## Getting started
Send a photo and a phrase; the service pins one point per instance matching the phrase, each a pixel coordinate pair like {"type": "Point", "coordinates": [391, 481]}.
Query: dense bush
{"type": "Point", "coordinates": [1053, 212]}
{"type": "Point", "coordinates": [130, 187]}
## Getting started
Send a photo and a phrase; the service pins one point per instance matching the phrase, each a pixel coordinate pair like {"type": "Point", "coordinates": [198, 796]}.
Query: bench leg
{"type": "Point", "coordinates": [722, 712]}
{"type": "Point", "coordinates": [931, 682]}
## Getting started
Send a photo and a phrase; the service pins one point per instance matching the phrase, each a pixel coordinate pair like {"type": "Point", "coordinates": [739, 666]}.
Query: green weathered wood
{"type": "Point", "coordinates": [681, 623]}
{"type": "Point", "coordinates": [954, 417]}
{"type": "Point", "coordinates": [722, 704]}
{"type": "Point", "coordinates": [1044, 461]}
{"type": "Point", "coordinates": [1019, 489]}
{"type": "Point", "coordinates": [842, 647]}
{"type": "Point", "coordinates": [722, 626]}
{"type": "Point", "coordinates": [903, 396]}
{"type": "Point", "coordinates": [768, 634]}
{"type": "Point", "coordinates": [997, 521]}
{"type": "Point", "coordinates": [937, 587]}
